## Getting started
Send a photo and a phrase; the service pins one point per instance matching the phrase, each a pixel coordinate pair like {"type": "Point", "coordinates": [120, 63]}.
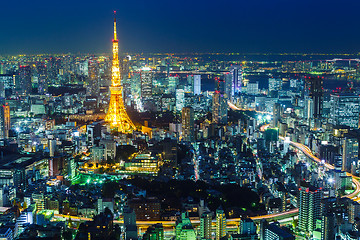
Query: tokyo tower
{"type": "Point", "coordinates": [116, 115]}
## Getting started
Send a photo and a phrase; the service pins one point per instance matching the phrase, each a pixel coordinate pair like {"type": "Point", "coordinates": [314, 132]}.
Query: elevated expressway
{"type": "Point", "coordinates": [306, 150]}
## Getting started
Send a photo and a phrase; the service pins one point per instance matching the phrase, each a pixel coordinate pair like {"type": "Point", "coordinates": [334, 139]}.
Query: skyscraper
{"type": "Point", "coordinates": [197, 84]}
{"type": "Point", "coordinates": [316, 92]}
{"type": "Point", "coordinates": [188, 124]}
{"type": "Point", "coordinates": [24, 83]}
{"type": "Point", "coordinates": [4, 121]}
{"type": "Point", "coordinates": [220, 105]}
{"type": "Point", "coordinates": [117, 115]}
{"type": "Point", "coordinates": [345, 109]}
{"type": "Point", "coordinates": [180, 99]}
{"type": "Point", "coordinates": [205, 225]}
{"type": "Point", "coordinates": [93, 87]}
{"type": "Point", "coordinates": [309, 207]}
{"type": "Point", "coordinates": [350, 153]}
{"type": "Point", "coordinates": [237, 78]}
{"type": "Point", "coordinates": [276, 115]}
{"type": "Point", "coordinates": [220, 224]}
{"type": "Point", "coordinates": [146, 82]}
{"type": "Point", "coordinates": [228, 85]}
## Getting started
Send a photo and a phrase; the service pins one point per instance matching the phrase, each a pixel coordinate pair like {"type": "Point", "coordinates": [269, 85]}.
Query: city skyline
{"type": "Point", "coordinates": [233, 26]}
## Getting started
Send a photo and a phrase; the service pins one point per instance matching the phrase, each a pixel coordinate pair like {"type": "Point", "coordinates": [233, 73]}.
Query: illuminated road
{"type": "Point", "coordinates": [306, 150]}
{"type": "Point", "coordinates": [233, 107]}
{"type": "Point", "coordinates": [231, 222]}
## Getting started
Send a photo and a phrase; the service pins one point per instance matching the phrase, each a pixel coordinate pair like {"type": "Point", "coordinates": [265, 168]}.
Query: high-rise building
{"type": "Point", "coordinates": [188, 124]}
{"type": "Point", "coordinates": [237, 78]}
{"type": "Point", "coordinates": [130, 224]}
{"type": "Point", "coordinates": [93, 87]}
{"type": "Point", "coordinates": [350, 153]}
{"type": "Point", "coordinates": [24, 83]}
{"type": "Point", "coordinates": [6, 85]}
{"type": "Point", "coordinates": [220, 105]}
{"type": "Point", "coordinates": [316, 93]}
{"type": "Point", "coordinates": [173, 82]}
{"type": "Point", "coordinates": [197, 84]}
{"type": "Point", "coordinates": [276, 115]}
{"type": "Point", "coordinates": [328, 226]}
{"type": "Point", "coordinates": [309, 207]}
{"type": "Point", "coordinates": [146, 77]}
{"type": "Point", "coordinates": [116, 114]}
{"type": "Point", "coordinates": [220, 224]}
{"type": "Point", "coordinates": [4, 121]}
{"type": "Point", "coordinates": [180, 99]}
{"type": "Point", "coordinates": [205, 225]}
{"type": "Point", "coordinates": [228, 84]}
{"type": "Point", "coordinates": [345, 109]}
{"type": "Point", "coordinates": [354, 211]}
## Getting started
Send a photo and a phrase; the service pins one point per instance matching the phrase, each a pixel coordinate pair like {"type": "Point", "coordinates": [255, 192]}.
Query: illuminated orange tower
{"type": "Point", "coordinates": [116, 115]}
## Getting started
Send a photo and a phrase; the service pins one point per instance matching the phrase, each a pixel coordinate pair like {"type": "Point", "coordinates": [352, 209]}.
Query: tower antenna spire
{"type": "Point", "coordinates": [115, 37]}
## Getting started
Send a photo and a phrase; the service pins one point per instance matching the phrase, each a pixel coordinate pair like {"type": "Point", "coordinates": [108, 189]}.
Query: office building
{"type": "Point", "coordinates": [146, 77]}
{"type": "Point", "coordinates": [277, 111]}
{"type": "Point", "coordinates": [180, 99]}
{"type": "Point", "coordinates": [328, 226]}
{"type": "Point", "coordinates": [4, 121]}
{"type": "Point", "coordinates": [24, 84]}
{"type": "Point", "coordinates": [7, 83]}
{"type": "Point", "coordinates": [130, 224]}
{"type": "Point", "coordinates": [252, 88]}
{"type": "Point", "coordinates": [188, 124]}
{"type": "Point", "coordinates": [316, 92]}
{"type": "Point", "coordinates": [197, 85]}
{"type": "Point", "coordinates": [350, 153]}
{"type": "Point", "coordinates": [345, 110]}
{"type": "Point", "coordinates": [247, 227]}
{"type": "Point", "coordinates": [220, 105]}
{"type": "Point", "coordinates": [228, 78]}
{"type": "Point", "coordinates": [237, 78]}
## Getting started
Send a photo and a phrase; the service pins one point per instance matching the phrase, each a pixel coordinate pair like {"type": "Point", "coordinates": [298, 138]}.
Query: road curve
{"type": "Point", "coordinates": [306, 150]}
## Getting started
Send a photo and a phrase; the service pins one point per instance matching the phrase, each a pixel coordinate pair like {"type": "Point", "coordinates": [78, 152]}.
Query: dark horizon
{"type": "Point", "coordinates": [167, 27]}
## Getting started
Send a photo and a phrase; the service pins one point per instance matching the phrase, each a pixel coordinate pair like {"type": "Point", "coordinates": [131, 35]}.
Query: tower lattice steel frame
{"type": "Point", "coordinates": [116, 115]}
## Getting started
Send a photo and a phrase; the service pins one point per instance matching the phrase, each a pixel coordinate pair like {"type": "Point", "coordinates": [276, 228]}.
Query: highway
{"type": "Point", "coordinates": [307, 151]}
{"type": "Point", "coordinates": [231, 222]}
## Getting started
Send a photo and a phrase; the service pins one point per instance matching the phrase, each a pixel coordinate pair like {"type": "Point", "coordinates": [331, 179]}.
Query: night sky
{"type": "Point", "coordinates": [77, 26]}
